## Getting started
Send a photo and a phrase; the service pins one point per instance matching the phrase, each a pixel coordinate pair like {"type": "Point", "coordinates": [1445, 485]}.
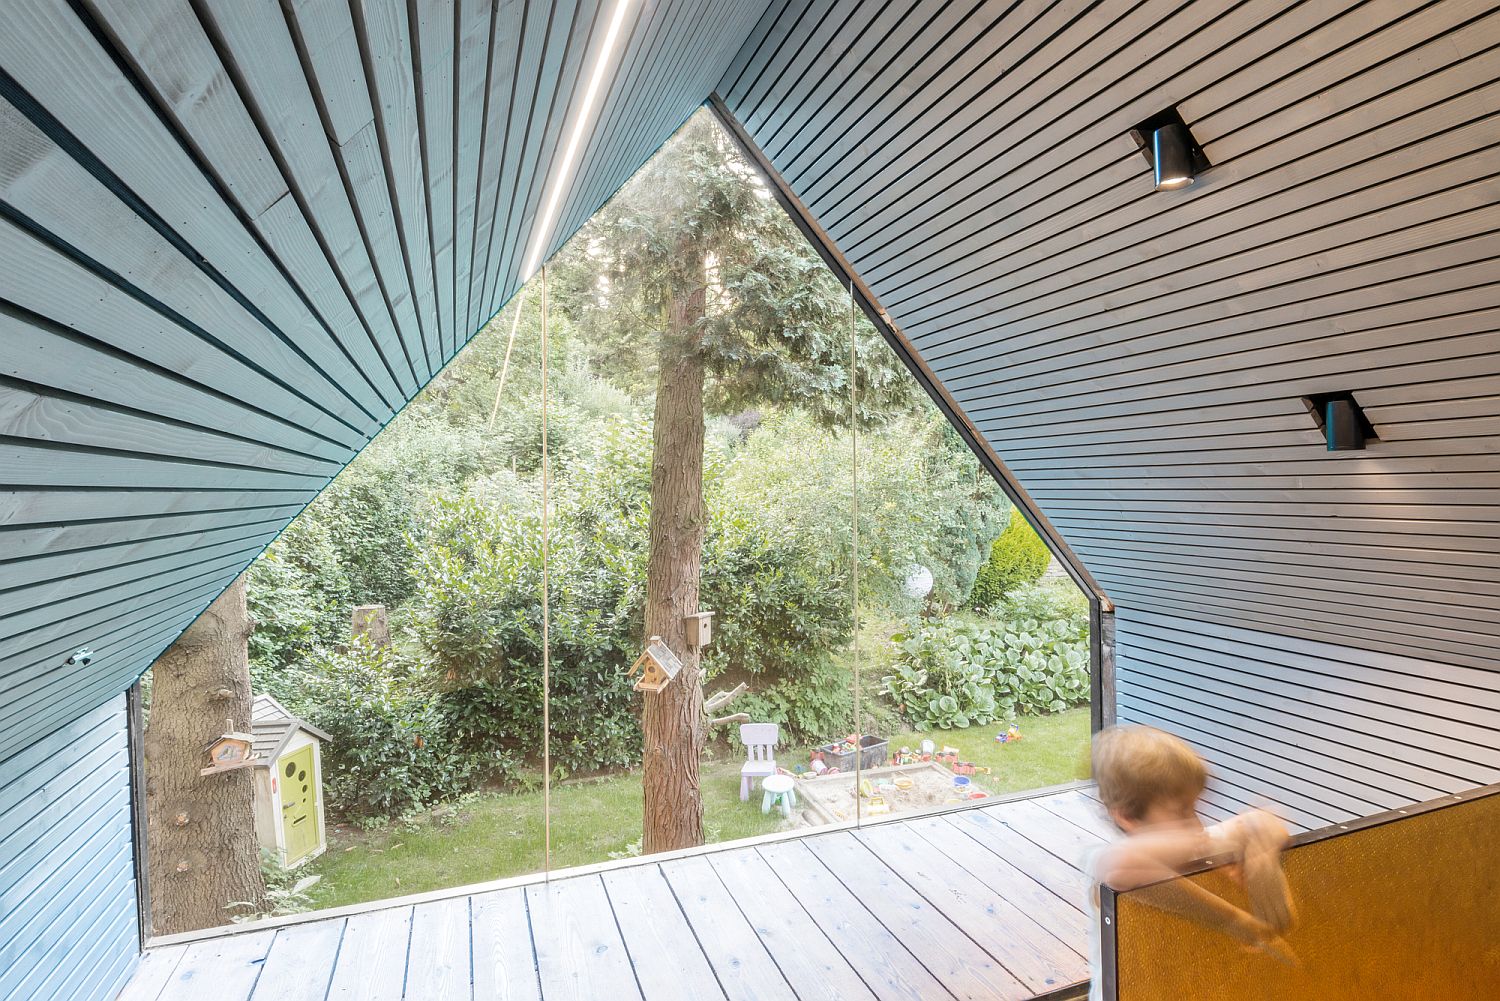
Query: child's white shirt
{"type": "Point", "coordinates": [1217, 835]}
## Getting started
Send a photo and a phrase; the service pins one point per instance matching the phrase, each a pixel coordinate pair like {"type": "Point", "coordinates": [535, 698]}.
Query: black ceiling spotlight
{"type": "Point", "coordinates": [1176, 158]}
{"type": "Point", "coordinates": [1342, 421]}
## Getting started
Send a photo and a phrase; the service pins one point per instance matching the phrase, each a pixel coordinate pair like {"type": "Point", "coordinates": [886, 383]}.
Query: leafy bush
{"type": "Point", "coordinates": [937, 681]}
{"type": "Point", "coordinates": [1038, 666]}
{"type": "Point", "coordinates": [478, 617]}
{"type": "Point", "coordinates": [298, 595]}
{"type": "Point", "coordinates": [1018, 557]}
{"type": "Point", "coordinates": [392, 745]}
{"type": "Point", "coordinates": [923, 500]}
{"type": "Point", "coordinates": [957, 674]}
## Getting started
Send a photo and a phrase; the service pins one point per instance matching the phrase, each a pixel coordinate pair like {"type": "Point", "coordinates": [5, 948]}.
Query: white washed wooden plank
{"type": "Point", "coordinates": [579, 952]}
{"type": "Point", "coordinates": [439, 962]}
{"type": "Point", "coordinates": [225, 967]}
{"type": "Point", "coordinates": [882, 960]}
{"type": "Point", "coordinates": [372, 957]}
{"type": "Point", "coordinates": [964, 968]}
{"type": "Point", "coordinates": [662, 946]}
{"type": "Point", "coordinates": [152, 973]}
{"type": "Point", "coordinates": [300, 962]}
{"type": "Point", "coordinates": [744, 968]}
{"type": "Point", "coordinates": [505, 963]}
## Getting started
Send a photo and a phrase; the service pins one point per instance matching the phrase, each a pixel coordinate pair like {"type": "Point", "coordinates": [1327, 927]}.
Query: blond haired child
{"type": "Point", "coordinates": [1150, 782]}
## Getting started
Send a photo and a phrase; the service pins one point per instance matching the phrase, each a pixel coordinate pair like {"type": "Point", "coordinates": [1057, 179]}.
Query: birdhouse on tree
{"type": "Point", "coordinates": [228, 752]}
{"type": "Point", "coordinates": [658, 666]}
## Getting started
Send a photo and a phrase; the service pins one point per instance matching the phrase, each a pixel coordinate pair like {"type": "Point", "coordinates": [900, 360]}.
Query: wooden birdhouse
{"type": "Point", "coordinates": [228, 752]}
{"type": "Point", "coordinates": [658, 666]}
{"type": "Point", "coordinates": [698, 628]}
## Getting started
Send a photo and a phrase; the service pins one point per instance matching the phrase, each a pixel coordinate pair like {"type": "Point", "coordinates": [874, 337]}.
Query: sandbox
{"type": "Point", "coordinates": [829, 799]}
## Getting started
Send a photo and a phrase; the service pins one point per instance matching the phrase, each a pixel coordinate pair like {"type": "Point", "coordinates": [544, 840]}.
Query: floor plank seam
{"type": "Point", "coordinates": [692, 928]}
{"type": "Point", "coordinates": [814, 919]}
{"type": "Point", "coordinates": [936, 909]}
{"type": "Point", "coordinates": [751, 924]}
{"type": "Point", "coordinates": [625, 945]}
{"type": "Point", "coordinates": [889, 930]}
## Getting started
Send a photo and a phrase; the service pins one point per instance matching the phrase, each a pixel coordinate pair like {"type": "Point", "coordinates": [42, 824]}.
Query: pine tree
{"type": "Point", "coordinates": [694, 273]}
{"type": "Point", "coordinates": [202, 852]}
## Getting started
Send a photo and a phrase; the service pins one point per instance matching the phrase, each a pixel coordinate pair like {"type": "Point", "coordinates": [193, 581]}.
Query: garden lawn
{"type": "Point", "coordinates": [492, 836]}
{"type": "Point", "coordinates": [1052, 750]}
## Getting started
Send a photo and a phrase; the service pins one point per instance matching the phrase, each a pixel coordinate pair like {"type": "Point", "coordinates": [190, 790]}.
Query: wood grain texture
{"type": "Point", "coordinates": [820, 916]}
{"type": "Point", "coordinates": [236, 238]}
{"type": "Point", "coordinates": [67, 882]}
{"type": "Point", "coordinates": [1140, 359]}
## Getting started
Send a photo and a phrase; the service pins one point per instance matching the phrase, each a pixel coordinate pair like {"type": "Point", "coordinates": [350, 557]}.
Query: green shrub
{"type": "Point", "coordinates": [392, 744]}
{"type": "Point", "coordinates": [298, 595]}
{"type": "Point", "coordinates": [1018, 557]}
{"type": "Point", "coordinates": [953, 675]}
{"type": "Point", "coordinates": [478, 618]}
{"type": "Point", "coordinates": [938, 682]}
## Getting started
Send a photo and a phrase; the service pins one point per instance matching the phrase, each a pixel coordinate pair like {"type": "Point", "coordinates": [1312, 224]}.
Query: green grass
{"type": "Point", "coordinates": [497, 835]}
{"type": "Point", "coordinates": [1052, 750]}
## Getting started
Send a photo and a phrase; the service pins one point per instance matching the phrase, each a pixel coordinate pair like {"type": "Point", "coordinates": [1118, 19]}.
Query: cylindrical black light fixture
{"type": "Point", "coordinates": [1171, 149]}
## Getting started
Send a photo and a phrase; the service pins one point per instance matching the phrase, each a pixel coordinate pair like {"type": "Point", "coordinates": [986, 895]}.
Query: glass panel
{"type": "Point", "coordinates": [702, 498]}
{"type": "Point", "coordinates": [973, 642]}
{"type": "Point", "coordinates": [430, 693]}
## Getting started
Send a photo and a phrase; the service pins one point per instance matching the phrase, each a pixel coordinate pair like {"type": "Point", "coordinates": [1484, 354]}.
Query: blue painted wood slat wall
{"type": "Point", "coordinates": [68, 917]}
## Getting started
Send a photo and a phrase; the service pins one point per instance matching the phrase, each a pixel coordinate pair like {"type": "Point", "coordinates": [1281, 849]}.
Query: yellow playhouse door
{"type": "Point", "coordinates": [299, 804]}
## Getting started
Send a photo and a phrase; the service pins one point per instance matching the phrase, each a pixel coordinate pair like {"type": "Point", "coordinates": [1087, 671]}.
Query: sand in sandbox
{"type": "Point", "coordinates": [830, 799]}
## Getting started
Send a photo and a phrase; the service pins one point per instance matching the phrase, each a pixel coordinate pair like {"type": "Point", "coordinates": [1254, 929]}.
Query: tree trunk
{"type": "Point", "coordinates": [373, 623]}
{"type": "Point", "coordinates": [673, 718]}
{"type": "Point", "coordinates": [202, 853]}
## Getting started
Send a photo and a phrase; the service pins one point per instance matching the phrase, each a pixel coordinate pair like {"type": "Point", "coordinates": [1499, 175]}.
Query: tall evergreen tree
{"type": "Point", "coordinates": [693, 273]}
{"type": "Point", "coordinates": [200, 829]}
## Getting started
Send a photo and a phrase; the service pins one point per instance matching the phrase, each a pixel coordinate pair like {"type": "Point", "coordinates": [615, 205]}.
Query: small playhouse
{"type": "Point", "coordinates": [288, 782]}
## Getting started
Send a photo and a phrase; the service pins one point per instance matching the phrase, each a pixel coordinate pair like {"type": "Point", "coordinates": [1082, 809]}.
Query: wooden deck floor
{"type": "Point", "coordinates": [982, 903]}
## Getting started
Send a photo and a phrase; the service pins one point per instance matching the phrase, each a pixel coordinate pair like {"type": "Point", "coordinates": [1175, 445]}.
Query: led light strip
{"type": "Point", "coordinates": [543, 229]}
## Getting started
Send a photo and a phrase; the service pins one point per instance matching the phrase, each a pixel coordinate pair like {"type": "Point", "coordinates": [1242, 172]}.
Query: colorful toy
{"type": "Point", "coordinates": [866, 788]}
{"type": "Point", "coordinates": [877, 805]}
{"type": "Point", "coordinates": [903, 783]}
{"type": "Point", "coordinates": [1010, 735]}
{"type": "Point", "coordinates": [961, 785]}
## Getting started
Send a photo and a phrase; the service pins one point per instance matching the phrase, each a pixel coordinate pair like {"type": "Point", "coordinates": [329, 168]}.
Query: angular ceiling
{"type": "Point", "coordinates": [236, 235]}
{"type": "Point", "coordinates": [1139, 359]}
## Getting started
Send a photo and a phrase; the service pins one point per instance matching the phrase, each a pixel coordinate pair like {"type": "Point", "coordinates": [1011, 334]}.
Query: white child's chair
{"type": "Point", "coordinates": [760, 754]}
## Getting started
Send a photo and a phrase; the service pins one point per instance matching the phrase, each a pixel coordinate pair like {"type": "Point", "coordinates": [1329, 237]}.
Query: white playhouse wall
{"type": "Point", "coordinates": [268, 827]}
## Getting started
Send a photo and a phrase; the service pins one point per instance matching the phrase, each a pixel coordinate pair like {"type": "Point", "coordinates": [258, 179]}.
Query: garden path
{"type": "Point", "coordinates": [977, 903]}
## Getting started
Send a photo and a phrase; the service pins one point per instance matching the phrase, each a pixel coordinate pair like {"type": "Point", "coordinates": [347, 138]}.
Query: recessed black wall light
{"type": "Point", "coordinates": [1342, 421]}
{"type": "Point", "coordinates": [1176, 158]}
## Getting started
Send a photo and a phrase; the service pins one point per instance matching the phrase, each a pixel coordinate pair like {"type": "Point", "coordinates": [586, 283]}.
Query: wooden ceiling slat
{"type": "Point", "coordinates": [236, 238]}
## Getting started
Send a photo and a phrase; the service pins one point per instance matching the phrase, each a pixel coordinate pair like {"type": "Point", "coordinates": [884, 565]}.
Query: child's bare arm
{"type": "Point", "coordinates": [1258, 838]}
{"type": "Point", "coordinates": [1187, 899]}
{"type": "Point", "coordinates": [1151, 856]}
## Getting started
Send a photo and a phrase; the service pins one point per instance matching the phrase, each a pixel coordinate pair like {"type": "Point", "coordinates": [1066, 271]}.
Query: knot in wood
{"type": "Point", "coordinates": [183, 866]}
{"type": "Point", "coordinates": [181, 820]}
